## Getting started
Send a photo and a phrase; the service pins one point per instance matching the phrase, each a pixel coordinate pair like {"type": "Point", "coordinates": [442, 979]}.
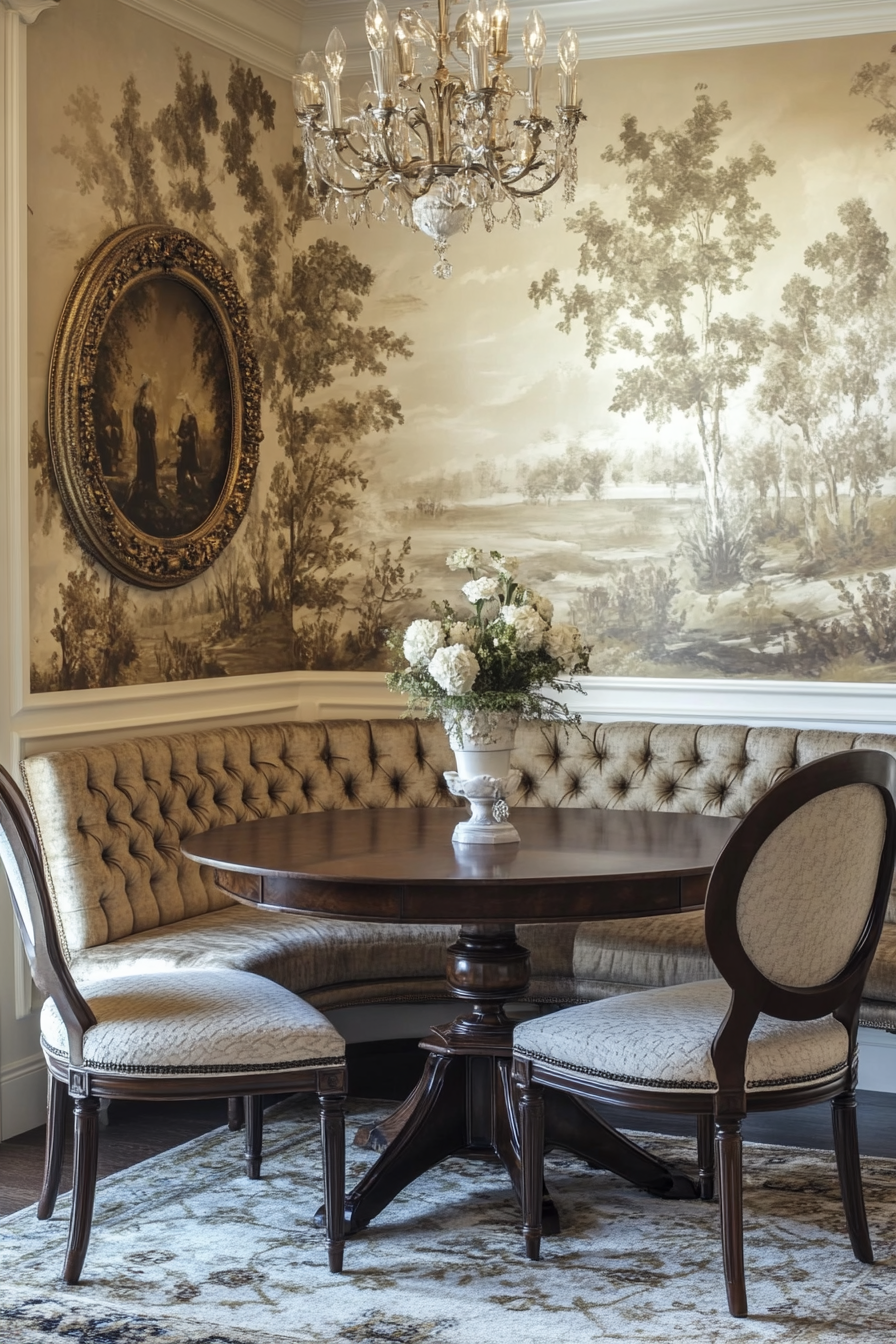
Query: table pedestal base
{"type": "Point", "coordinates": [465, 1101]}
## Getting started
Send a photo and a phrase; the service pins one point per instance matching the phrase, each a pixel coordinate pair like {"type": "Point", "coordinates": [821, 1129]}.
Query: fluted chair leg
{"type": "Point", "coordinates": [706, 1155]}
{"type": "Point", "coordinates": [235, 1113]}
{"type": "Point", "coordinates": [846, 1146]}
{"type": "Point", "coordinates": [87, 1137]}
{"type": "Point", "coordinates": [729, 1154]}
{"type": "Point", "coordinates": [57, 1106]}
{"type": "Point", "coordinates": [332, 1135]}
{"type": "Point", "coordinates": [254, 1133]}
{"type": "Point", "coordinates": [532, 1164]}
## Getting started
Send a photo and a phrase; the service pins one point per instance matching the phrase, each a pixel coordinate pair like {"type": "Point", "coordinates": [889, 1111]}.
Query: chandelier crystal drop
{"type": "Point", "coordinates": [441, 131]}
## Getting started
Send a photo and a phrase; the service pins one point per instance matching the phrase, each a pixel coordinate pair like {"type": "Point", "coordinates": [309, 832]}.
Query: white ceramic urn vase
{"type": "Point", "coordinates": [482, 742]}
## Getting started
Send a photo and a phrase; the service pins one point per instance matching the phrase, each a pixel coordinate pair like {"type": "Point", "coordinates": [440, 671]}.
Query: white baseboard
{"type": "Point", "coordinates": [23, 1095]}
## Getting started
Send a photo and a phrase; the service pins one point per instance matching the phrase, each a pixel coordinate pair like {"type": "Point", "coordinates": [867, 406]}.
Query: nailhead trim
{"type": "Point", "coordinates": [101, 1066]}
{"type": "Point", "coordinates": [679, 1084]}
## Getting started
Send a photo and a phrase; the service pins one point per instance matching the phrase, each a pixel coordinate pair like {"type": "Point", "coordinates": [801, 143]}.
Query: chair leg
{"type": "Point", "coordinates": [57, 1108]}
{"type": "Point", "coordinates": [729, 1154]}
{"type": "Point", "coordinates": [706, 1155]}
{"type": "Point", "coordinates": [254, 1132]}
{"type": "Point", "coordinates": [87, 1136]}
{"type": "Point", "coordinates": [235, 1113]}
{"type": "Point", "coordinates": [532, 1165]}
{"type": "Point", "coordinates": [846, 1146]}
{"type": "Point", "coordinates": [332, 1138]}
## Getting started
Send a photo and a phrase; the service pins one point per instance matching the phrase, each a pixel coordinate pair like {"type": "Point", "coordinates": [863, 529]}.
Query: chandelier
{"type": "Point", "coordinates": [430, 144]}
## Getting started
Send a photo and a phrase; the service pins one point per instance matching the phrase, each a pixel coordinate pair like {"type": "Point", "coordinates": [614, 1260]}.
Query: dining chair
{"type": "Point", "coordinates": [181, 1035]}
{"type": "Point", "coordinates": [794, 910]}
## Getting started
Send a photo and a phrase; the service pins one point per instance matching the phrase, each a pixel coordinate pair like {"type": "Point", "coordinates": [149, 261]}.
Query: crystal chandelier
{"type": "Point", "coordinates": [431, 145]}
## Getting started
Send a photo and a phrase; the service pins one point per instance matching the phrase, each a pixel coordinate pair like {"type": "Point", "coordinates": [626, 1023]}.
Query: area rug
{"type": "Point", "coordinates": [186, 1250]}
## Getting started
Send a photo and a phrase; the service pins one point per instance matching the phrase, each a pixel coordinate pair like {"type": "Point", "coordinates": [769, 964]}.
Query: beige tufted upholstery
{"type": "Point", "coordinates": [112, 819]}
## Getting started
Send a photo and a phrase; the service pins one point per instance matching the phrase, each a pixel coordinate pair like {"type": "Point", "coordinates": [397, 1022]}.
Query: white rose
{"type": "Point", "coordinates": [421, 639]}
{"type": "Point", "coordinates": [543, 605]}
{"type": "Point", "coordinates": [477, 590]}
{"type": "Point", "coordinates": [564, 642]}
{"type": "Point", "coordinates": [527, 624]}
{"type": "Point", "coordinates": [455, 669]}
{"type": "Point", "coordinates": [461, 633]}
{"type": "Point", "coordinates": [466, 557]}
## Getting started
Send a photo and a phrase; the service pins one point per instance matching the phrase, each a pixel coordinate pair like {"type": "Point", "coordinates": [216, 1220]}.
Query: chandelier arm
{"type": "Point", "coordinates": [363, 189]}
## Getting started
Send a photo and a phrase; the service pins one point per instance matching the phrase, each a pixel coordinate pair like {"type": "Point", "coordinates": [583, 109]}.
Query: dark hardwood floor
{"type": "Point", "coordinates": [138, 1130]}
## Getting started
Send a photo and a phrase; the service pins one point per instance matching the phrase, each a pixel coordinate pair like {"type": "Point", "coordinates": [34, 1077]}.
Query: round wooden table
{"type": "Point", "coordinates": [400, 866]}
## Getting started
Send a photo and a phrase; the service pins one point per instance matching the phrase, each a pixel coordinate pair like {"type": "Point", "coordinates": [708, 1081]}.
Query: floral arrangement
{"type": "Point", "coordinates": [499, 658]}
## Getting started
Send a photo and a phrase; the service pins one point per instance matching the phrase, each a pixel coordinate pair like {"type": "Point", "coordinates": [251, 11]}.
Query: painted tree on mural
{"type": "Point", "coordinates": [825, 376]}
{"type": "Point", "coordinates": [293, 558]}
{"type": "Point", "coordinates": [693, 233]}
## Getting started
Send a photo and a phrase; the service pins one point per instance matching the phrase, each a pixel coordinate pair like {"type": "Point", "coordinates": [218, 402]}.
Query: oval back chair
{"type": "Point", "coordinates": [794, 911]}
{"type": "Point", "coordinates": [174, 1035]}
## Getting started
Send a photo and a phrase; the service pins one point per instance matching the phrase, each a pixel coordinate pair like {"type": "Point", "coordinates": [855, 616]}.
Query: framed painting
{"type": "Point", "coordinates": [155, 406]}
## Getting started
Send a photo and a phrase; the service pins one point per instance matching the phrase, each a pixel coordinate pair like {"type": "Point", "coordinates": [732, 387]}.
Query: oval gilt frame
{"type": "Point", "coordinates": [127, 259]}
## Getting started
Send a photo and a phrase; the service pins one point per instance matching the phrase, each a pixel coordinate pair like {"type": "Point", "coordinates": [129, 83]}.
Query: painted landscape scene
{"type": "Point", "coordinates": [675, 403]}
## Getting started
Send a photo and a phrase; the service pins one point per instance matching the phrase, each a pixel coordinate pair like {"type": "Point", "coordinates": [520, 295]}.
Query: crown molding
{"type": "Point", "coordinates": [28, 10]}
{"type": "Point", "coordinates": [267, 33]}
{"type": "Point", "coordinates": [262, 33]}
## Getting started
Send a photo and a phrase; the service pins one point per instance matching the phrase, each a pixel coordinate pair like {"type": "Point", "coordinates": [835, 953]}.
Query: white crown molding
{"type": "Point", "coordinates": [28, 10]}
{"type": "Point", "coordinates": [638, 27]}
{"type": "Point", "coordinates": [262, 33]}
{"type": "Point", "coordinates": [267, 33]}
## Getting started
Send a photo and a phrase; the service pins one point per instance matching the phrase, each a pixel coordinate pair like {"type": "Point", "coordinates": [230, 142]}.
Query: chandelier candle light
{"type": "Point", "coordinates": [480, 674]}
{"type": "Point", "coordinates": [433, 145]}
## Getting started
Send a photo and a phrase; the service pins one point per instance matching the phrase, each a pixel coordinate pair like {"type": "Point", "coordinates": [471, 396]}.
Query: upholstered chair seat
{"type": "Point", "coordinates": [793, 917]}
{"type": "Point", "coordinates": [662, 1039]}
{"type": "Point", "coordinates": [192, 1033]}
{"type": "Point", "coordinates": [197, 1023]}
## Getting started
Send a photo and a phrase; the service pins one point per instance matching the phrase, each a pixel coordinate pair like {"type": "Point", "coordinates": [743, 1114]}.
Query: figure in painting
{"type": "Point", "coordinates": [188, 443]}
{"type": "Point", "coordinates": [145, 483]}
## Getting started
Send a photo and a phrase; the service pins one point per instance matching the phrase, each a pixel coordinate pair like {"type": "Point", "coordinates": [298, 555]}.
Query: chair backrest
{"type": "Point", "coordinates": [20, 856]}
{"type": "Point", "coordinates": [796, 901]}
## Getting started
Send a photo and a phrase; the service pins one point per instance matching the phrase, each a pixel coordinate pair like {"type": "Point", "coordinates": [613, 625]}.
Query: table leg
{"type": "Point", "coordinates": [466, 1101]}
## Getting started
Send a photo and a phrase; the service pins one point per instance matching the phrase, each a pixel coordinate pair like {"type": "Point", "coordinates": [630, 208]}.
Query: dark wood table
{"type": "Point", "coordinates": [399, 866]}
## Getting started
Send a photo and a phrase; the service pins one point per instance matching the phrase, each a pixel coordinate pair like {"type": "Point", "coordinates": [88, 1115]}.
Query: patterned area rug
{"type": "Point", "coordinates": [186, 1250]}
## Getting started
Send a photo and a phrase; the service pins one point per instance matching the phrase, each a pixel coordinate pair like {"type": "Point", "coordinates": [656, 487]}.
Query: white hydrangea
{"type": "Point", "coordinates": [421, 639]}
{"type": "Point", "coordinates": [528, 625]}
{"type": "Point", "coordinates": [564, 642]}
{"type": "Point", "coordinates": [461, 633]}
{"type": "Point", "coordinates": [477, 590]}
{"type": "Point", "coordinates": [465, 557]}
{"type": "Point", "coordinates": [455, 669]}
{"type": "Point", "coordinates": [543, 605]}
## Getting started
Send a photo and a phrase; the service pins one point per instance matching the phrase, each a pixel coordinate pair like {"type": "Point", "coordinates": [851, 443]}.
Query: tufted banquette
{"type": "Point", "coordinates": [112, 819]}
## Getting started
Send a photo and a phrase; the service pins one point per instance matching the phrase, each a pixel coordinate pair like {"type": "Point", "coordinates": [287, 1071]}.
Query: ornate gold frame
{"type": "Point", "coordinates": [130, 257]}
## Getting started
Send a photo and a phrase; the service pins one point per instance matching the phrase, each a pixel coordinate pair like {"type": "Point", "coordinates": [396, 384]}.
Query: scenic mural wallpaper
{"type": "Point", "coordinates": [674, 402]}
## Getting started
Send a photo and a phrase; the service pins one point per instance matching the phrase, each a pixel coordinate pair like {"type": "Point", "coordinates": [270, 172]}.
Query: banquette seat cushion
{"type": "Point", "coordinates": [112, 819]}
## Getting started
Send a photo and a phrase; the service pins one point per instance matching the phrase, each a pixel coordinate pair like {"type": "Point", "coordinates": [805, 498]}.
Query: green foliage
{"type": "Point", "coordinates": [509, 671]}
{"type": "Point", "coordinates": [693, 233]}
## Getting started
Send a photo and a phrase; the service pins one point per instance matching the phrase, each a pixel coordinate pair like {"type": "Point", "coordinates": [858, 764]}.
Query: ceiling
{"type": "Point", "coordinates": [269, 32]}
